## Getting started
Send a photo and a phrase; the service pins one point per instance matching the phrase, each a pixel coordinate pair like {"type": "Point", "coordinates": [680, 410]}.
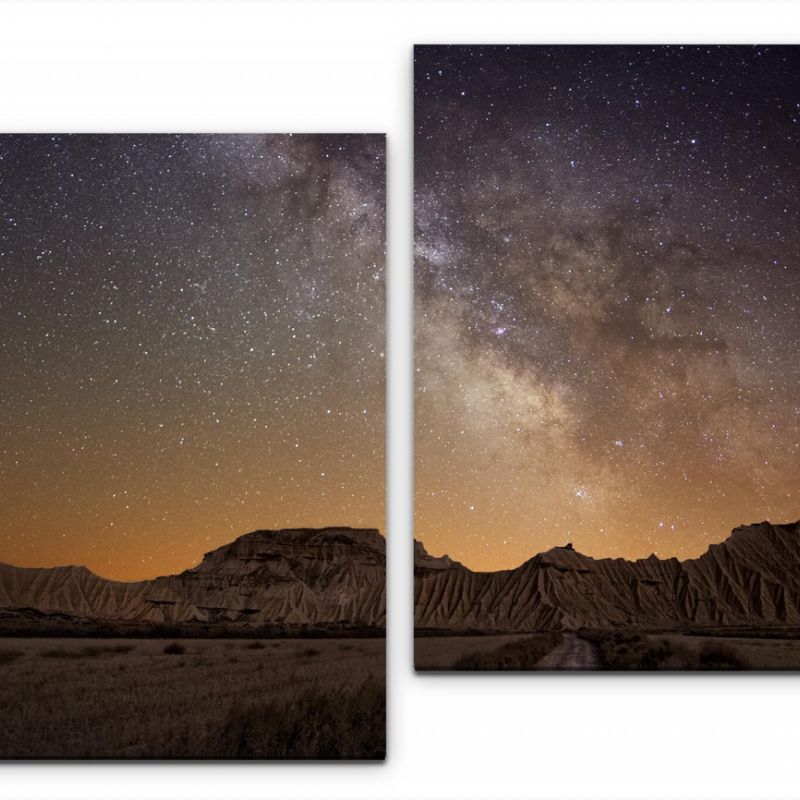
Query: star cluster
{"type": "Point", "coordinates": [607, 297]}
{"type": "Point", "coordinates": [192, 343]}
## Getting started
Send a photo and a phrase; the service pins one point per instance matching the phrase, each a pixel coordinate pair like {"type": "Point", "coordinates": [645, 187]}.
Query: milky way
{"type": "Point", "coordinates": [192, 343]}
{"type": "Point", "coordinates": [607, 297]}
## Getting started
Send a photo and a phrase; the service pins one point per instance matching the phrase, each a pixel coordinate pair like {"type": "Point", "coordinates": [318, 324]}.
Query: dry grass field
{"type": "Point", "coordinates": [192, 698]}
{"type": "Point", "coordinates": [669, 652]}
{"type": "Point", "coordinates": [620, 650]}
{"type": "Point", "coordinates": [751, 653]}
{"type": "Point", "coordinates": [522, 651]}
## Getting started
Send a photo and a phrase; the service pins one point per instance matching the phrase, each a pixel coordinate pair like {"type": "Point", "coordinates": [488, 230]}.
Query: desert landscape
{"type": "Point", "coordinates": [736, 607]}
{"type": "Point", "coordinates": [273, 647]}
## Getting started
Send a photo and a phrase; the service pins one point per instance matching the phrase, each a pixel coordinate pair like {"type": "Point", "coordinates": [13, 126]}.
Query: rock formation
{"type": "Point", "coordinates": [327, 576]}
{"type": "Point", "coordinates": [752, 578]}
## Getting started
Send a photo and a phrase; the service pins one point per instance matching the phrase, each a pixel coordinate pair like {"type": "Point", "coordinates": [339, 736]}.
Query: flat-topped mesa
{"type": "Point", "coordinates": [292, 548]}
{"type": "Point", "coordinates": [751, 578]}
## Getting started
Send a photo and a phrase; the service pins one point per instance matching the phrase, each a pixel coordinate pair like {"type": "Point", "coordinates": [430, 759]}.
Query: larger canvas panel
{"type": "Point", "coordinates": [607, 358]}
{"type": "Point", "coordinates": [192, 447]}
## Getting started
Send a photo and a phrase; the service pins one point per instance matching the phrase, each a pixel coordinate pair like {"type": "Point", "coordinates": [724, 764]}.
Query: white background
{"type": "Point", "coordinates": [346, 66]}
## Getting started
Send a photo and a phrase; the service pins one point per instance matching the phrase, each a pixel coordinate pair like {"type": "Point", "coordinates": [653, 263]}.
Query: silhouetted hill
{"type": "Point", "coordinates": [753, 577]}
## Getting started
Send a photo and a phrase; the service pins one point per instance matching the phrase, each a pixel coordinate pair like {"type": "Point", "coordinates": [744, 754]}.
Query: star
{"type": "Point", "coordinates": [191, 324]}
{"type": "Point", "coordinates": [607, 305]}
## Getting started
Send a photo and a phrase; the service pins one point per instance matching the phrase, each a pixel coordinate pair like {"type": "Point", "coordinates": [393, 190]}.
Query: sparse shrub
{"type": "Point", "coordinates": [318, 724]}
{"type": "Point", "coordinates": [628, 651]}
{"type": "Point", "coordinates": [714, 656]}
{"type": "Point", "coordinates": [7, 656]}
{"type": "Point", "coordinates": [174, 649]}
{"type": "Point", "coordinates": [514, 656]}
{"type": "Point", "coordinates": [310, 652]}
{"type": "Point", "coordinates": [255, 646]}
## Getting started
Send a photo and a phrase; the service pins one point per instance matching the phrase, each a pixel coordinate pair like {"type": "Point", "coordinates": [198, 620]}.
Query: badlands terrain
{"type": "Point", "coordinates": [271, 648]}
{"type": "Point", "coordinates": [737, 606]}
{"type": "Point", "coordinates": [302, 577]}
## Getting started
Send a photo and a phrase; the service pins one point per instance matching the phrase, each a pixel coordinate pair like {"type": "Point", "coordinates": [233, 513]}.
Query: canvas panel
{"type": "Point", "coordinates": [192, 446]}
{"type": "Point", "coordinates": [607, 359]}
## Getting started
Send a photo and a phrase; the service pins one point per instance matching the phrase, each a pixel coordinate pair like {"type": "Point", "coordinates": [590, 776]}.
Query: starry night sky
{"type": "Point", "coordinates": [192, 343]}
{"type": "Point", "coordinates": [607, 297]}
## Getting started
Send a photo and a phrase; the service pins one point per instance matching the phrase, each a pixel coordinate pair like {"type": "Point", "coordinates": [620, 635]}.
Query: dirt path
{"type": "Point", "coordinates": [573, 653]}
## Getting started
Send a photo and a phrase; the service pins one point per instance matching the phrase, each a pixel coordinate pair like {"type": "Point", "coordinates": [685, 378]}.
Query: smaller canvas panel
{"type": "Point", "coordinates": [192, 447]}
